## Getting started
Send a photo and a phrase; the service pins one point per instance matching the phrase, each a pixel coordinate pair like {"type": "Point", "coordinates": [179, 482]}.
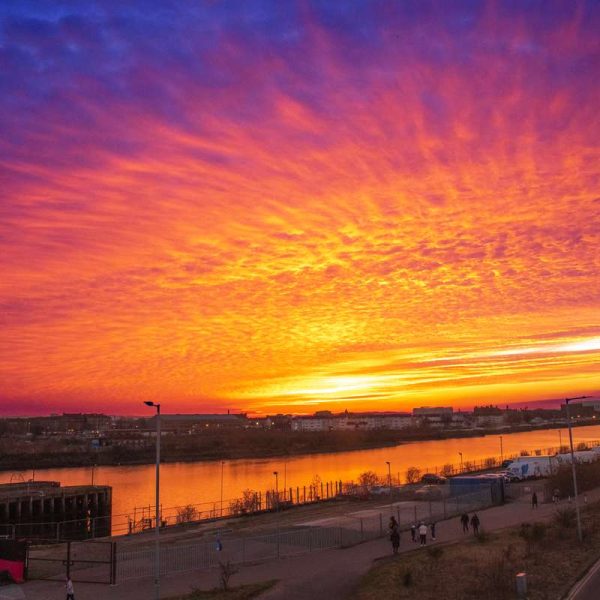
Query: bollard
{"type": "Point", "coordinates": [521, 585]}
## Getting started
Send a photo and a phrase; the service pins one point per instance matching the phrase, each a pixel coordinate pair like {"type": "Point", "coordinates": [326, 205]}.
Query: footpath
{"type": "Point", "coordinates": [331, 574]}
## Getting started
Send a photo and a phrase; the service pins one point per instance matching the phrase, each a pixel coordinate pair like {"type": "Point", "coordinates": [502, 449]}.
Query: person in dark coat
{"type": "Point", "coordinates": [413, 532]}
{"type": "Point", "coordinates": [465, 522]}
{"type": "Point", "coordinates": [475, 524]}
{"type": "Point", "coordinates": [394, 534]}
{"type": "Point", "coordinates": [534, 502]}
{"type": "Point", "coordinates": [432, 528]}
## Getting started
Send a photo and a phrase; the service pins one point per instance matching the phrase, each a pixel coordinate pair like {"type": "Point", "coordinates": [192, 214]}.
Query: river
{"type": "Point", "coordinates": [200, 482]}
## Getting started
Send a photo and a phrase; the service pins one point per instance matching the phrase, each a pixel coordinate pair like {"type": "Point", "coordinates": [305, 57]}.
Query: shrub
{"type": "Point", "coordinates": [188, 513]}
{"type": "Point", "coordinates": [413, 474]}
{"type": "Point", "coordinates": [565, 517]}
{"type": "Point", "coordinates": [533, 535]}
{"type": "Point", "coordinates": [368, 479]}
{"type": "Point", "coordinates": [226, 572]}
{"type": "Point", "coordinates": [489, 463]}
{"type": "Point", "coordinates": [447, 470]}
{"type": "Point", "coordinates": [524, 453]}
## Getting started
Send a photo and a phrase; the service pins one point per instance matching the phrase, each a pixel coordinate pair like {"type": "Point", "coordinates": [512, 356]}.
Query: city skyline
{"type": "Point", "coordinates": [361, 205]}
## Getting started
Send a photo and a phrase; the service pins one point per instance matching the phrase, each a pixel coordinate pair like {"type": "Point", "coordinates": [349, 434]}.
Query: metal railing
{"type": "Point", "coordinates": [351, 530]}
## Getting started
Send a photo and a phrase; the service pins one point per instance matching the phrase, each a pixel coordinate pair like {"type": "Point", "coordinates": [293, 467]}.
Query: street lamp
{"type": "Point", "coordinates": [559, 441]}
{"type": "Point", "coordinates": [387, 462]}
{"type": "Point", "coordinates": [157, 515]}
{"type": "Point", "coordinates": [222, 465]}
{"type": "Point", "coordinates": [573, 470]}
{"type": "Point", "coordinates": [461, 462]}
{"type": "Point", "coordinates": [276, 473]}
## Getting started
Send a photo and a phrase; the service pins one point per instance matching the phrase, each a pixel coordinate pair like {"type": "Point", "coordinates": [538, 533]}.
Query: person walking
{"type": "Point", "coordinates": [475, 524]}
{"type": "Point", "coordinates": [423, 534]}
{"type": "Point", "coordinates": [70, 590]}
{"type": "Point", "coordinates": [413, 532]}
{"type": "Point", "coordinates": [534, 502]}
{"type": "Point", "coordinates": [432, 527]}
{"type": "Point", "coordinates": [465, 522]}
{"type": "Point", "coordinates": [394, 534]}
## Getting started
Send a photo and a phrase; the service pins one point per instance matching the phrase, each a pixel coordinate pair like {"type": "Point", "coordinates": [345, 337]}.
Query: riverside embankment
{"type": "Point", "coordinates": [200, 483]}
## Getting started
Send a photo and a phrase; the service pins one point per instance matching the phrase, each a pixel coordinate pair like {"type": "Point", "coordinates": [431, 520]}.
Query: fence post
{"type": "Point", "coordinates": [277, 541]}
{"type": "Point", "coordinates": [68, 559]}
{"type": "Point", "coordinates": [113, 563]}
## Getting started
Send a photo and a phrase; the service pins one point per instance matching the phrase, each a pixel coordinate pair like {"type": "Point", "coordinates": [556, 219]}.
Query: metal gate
{"type": "Point", "coordinates": [84, 562]}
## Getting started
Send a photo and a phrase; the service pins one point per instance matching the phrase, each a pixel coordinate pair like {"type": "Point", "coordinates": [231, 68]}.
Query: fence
{"type": "Point", "coordinates": [348, 531]}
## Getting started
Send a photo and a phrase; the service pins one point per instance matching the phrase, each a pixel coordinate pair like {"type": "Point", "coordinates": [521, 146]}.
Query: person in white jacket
{"type": "Point", "coordinates": [70, 590]}
{"type": "Point", "coordinates": [423, 534]}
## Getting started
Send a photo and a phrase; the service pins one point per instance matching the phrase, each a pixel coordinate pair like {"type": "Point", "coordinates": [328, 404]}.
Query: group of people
{"type": "Point", "coordinates": [474, 521]}
{"type": "Point", "coordinates": [421, 529]}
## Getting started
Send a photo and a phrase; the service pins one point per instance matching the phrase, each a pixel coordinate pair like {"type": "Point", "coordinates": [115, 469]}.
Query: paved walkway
{"type": "Point", "coordinates": [331, 574]}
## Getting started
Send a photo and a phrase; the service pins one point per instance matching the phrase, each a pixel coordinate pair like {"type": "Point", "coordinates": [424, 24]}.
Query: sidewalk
{"type": "Point", "coordinates": [331, 574]}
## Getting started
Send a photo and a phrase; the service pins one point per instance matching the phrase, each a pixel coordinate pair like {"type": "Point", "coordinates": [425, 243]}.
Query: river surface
{"type": "Point", "coordinates": [200, 482]}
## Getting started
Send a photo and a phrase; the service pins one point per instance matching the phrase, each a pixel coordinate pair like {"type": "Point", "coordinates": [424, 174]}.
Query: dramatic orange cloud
{"type": "Point", "coordinates": [362, 207]}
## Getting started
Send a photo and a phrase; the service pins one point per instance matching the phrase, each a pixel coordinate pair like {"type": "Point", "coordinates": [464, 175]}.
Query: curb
{"type": "Point", "coordinates": [572, 594]}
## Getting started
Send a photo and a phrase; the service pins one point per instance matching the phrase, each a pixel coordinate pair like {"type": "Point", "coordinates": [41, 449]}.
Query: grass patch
{"type": "Point", "coordinates": [242, 592]}
{"type": "Point", "coordinates": [549, 553]}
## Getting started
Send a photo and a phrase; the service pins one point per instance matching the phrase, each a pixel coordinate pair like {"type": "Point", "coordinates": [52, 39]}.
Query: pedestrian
{"type": "Point", "coordinates": [219, 545]}
{"type": "Point", "coordinates": [70, 590]}
{"type": "Point", "coordinates": [432, 527]}
{"type": "Point", "coordinates": [475, 524]}
{"type": "Point", "coordinates": [423, 534]}
{"type": "Point", "coordinates": [465, 522]}
{"type": "Point", "coordinates": [413, 532]}
{"type": "Point", "coordinates": [555, 495]}
{"type": "Point", "coordinates": [394, 535]}
{"type": "Point", "coordinates": [534, 500]}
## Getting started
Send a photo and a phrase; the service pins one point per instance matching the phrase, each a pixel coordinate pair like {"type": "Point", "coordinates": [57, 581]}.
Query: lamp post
{"type": "Point", "coordinates": [387, 462]}
{"type": "Point", "coordinates": [157, 500]}
{"type": "Point", "coordinates": [93, 469]}
{"type": "Point", "coordinates": [501, 451]}
{"type": "Point", "coordinates": [276, 473]}
{"type": "Point", "coordinates": [559, 441]}
{"type": "Point", "coordinates": [222, 465]}
{"type": "Point", "coordinates": [461, 462]}
{"type": "Point", "coordinates": [573, 470]}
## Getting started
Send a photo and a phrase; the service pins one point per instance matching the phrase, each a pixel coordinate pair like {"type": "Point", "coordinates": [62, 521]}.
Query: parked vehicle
{"type": "Point", "coordinates": [529, 467]}
{"type": "Point", "coordinates": [429, 492]}
{"type": "Point", "coordinates": [506, 463]}
{"type": "Point", "coordinates": [434, 479]}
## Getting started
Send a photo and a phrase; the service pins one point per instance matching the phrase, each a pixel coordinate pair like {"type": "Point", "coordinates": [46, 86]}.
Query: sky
{"type": "Point", "coordinates": [276, 206]}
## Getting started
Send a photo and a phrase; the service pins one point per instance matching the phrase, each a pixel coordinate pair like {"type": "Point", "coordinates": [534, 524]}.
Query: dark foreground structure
{"type": "Point", "coordinates": [43, 510]}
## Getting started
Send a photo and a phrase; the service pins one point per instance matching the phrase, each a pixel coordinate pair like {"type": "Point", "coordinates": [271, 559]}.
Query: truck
{"type": "Point", "coordinates": [528, 467]}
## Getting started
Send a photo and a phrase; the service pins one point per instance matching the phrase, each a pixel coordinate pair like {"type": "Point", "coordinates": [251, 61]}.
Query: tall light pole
{"type": "Point", "coordinates": [222, 465]}
{"type": "Point", "coordinates": [573, 470]}
{"type": "Point", "coordinates": [157, 507]}
{"type": "Point", "coordinates": [387, 462]}
{"type": "Point", "coordinates": [276, 473]}
{"type": "Point", "coordinates": [559, 441]}
{"type": "Point", "coordinates": [461, 462]}
{"type": "Point", "coordinates": [501, 451]}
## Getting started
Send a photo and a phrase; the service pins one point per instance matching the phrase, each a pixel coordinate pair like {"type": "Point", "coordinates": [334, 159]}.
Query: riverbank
{"type": "Point", "coordinates": [48, 453]}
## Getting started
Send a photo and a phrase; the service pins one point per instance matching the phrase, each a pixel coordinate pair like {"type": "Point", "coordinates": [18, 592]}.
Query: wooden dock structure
{"type": "Point", "coordinates": [47, 510]}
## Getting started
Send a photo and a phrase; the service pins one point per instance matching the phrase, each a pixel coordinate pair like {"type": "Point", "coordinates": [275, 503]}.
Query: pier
{"type": "Point", "coordinates": [47, 510]}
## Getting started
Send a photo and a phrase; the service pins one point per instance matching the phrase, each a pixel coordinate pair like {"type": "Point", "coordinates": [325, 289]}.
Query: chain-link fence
{"type": "Point", "coordinates": [334, 532]}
